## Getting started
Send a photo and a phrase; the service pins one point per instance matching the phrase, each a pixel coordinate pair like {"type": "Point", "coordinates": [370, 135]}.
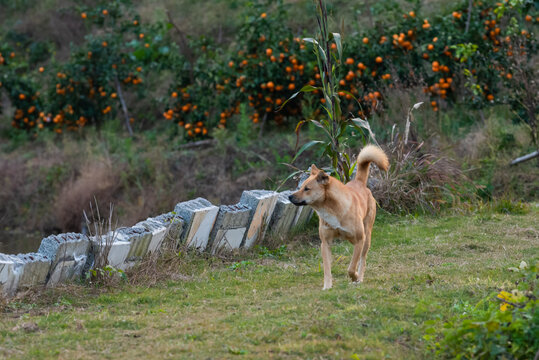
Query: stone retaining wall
{"type": "Point", "coordinates": [195, 223]}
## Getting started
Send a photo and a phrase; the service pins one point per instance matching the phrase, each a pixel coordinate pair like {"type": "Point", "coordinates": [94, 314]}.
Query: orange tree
{"type": "Point", "coordinates": [479, 54]}
{"type": "Point", "coordinates": [262, 68]}
{"type": "Point", "coordinates": [461, 56]}
{"type": "Point", "coordinates": [20, 88]}
{"type": "Point", "coordinates": [88, 88]}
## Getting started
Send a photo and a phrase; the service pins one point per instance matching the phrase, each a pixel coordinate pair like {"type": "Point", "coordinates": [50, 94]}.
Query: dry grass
{"type": "Point", "coordinates": [418, 181]}
{"type": "Point", "coordinates": [98, 180]}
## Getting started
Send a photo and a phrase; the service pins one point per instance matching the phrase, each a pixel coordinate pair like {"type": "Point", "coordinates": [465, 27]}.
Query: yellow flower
{"type": "Point", "coordinates": [504, 295]}
{"type": "Point", "coordinates": [504, 306]}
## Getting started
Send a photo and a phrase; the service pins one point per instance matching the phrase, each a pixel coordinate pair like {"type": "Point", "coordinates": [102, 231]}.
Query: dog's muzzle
{"type": "Point", "coordinates": [296, 202]}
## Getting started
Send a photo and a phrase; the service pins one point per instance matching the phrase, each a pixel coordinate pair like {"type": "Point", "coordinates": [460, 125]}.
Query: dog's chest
{"type": "Point", "coordinates": [331, 220]}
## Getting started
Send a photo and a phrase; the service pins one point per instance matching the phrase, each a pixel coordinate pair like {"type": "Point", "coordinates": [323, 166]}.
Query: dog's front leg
{"type": "Point", "coordinates": [326, 259]}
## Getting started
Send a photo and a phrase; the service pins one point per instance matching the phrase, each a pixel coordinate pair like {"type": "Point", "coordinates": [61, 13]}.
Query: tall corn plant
{"type": "Point", "coordinates": [333, 123]}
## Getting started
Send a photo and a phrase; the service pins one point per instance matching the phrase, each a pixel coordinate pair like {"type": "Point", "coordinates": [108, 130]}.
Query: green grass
{"type": "Point", "coordinates": [271, 305]}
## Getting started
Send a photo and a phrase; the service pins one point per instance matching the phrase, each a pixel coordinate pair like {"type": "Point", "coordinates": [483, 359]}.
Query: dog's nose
{"type": "Point", "coordinates": [291, 198]}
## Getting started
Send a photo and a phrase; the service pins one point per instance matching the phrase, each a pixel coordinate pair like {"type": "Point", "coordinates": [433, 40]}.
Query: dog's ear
{"type": "Point", "coordinates": [314, 169]}
{"type": "Point", "coordinates": [322, 178]}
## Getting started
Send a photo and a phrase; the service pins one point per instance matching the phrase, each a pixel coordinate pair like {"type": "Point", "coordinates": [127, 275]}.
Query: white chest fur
{"type": "Point", "coordinates": [331, 220]}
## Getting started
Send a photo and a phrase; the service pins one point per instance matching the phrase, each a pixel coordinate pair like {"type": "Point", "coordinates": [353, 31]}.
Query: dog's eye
{"type": "Point", "coordinates": [307, 189]}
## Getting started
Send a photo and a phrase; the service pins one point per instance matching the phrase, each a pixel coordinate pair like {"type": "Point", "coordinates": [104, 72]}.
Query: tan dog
{"type": "Point", "coordinates": [345, 211]}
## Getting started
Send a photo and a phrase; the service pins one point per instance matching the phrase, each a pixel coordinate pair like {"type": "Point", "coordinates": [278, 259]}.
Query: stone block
{"type": "Point", "coordinates": [10, 272]}
{"type": "Point", "coordinates": [303, 216]}
{"type": "Point", "coordinates": [139, 238]}
{"type": "Point", "coordinates": [68, 254]}
{"type": "Point", "coordinates": [229, 228]}
{"type": "Point", "coordinates": [114, 247]}
{"type": "Point", "coordinates": [158, 231]}
{"type": "Point", "coordinates": [284, 214]}
{"type": "Point", "coordinates": [174, 223]}
{"type": "Point", "coordinates": [199, 215]}
{"type": "Point", "coordinates": [35, 270]}
{"type": "Point", "coordinates": [262, 203]}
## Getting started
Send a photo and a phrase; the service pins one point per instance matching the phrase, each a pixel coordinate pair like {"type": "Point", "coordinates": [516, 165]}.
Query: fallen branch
{"type": "Point", "coordinates": [200, 143]}
{"type": "Point", "coordinates": [525, 157]}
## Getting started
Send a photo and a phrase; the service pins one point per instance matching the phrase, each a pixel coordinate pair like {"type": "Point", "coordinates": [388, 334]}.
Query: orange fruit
{"type": "Point", "coordinates": [490, 97]}
{"type": "Point", "coordinates": [231, 63]}
{"type": "Point", "coordinates": [105, 12]}
{"type": "Point", "coordinates": [291, 86]}
{"type": "Point", "coordinates": [263, 15]}
{"type": "Point", "coordinates": [430, 47]}
{"type": "Point", "coordinates": [174, 94]}
{"type": "Point", "coordinates": [379, 59]}
{"type": "Point", "coordinates": [269, 52]}
{"type": "Point", "coordinates": [141, 35]}
{"type": "Point", "coordinates": [22, 96]}
{"type": "Point", "coordinates": [349, 61]}
{"type": "Point", "coordinates": [104, 43]}
{"type": "Point", "coordinates": [135, 22]}
{"type": "Point", "coordinates": [365, 40]}
{"type": "Point", "coordinates": [41, 69]}
{"type": "Point", "coordinates": [83, 15]}
{"type": "Point", "coordinates": [528, 18]}
{"type": "Point", "coordinates": [411, 13]}
{"type": "Point", "coordinates": [333, 46]}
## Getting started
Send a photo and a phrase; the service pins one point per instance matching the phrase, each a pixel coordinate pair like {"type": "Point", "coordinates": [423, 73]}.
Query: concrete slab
{"type": "Point", "coordinates": [284, 214]}
{"type": "Point", "coordinates": [116, 248]}
{"type": "Point", "coordinates": [35, 270]}
{"type": "Point", "coordinates": [175, 225]}
{"type": "Point", "coordinates": [263, 203]}
{"type": "Point", "coordinates": [139, 238]}
{"type": "Point", "coordinates": [68, 253]}
{"type": "Point", "coordinates": [229, 228]}
{"type": "Point", "coordinates": [10, 272]}
{"type": "Point", "coordinates": [228, 240]}
{"type": "Point", "coordinates": [303, 216]}
{"type": "Point", "coordinates": [199, 215]}
{"type": "Point", "coordinates": [158, 231]}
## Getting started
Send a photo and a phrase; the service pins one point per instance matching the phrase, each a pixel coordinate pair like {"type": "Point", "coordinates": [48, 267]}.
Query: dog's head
{"type": "Point", "coordinates": [312, 190]}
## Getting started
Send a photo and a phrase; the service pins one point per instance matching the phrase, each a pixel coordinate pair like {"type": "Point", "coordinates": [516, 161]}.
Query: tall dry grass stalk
{"type": "Point", "coordinates": [102, 232]}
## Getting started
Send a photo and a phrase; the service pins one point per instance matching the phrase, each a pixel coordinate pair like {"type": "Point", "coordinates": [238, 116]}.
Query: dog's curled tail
{"type": "Point", "coordinates": [370, 153]}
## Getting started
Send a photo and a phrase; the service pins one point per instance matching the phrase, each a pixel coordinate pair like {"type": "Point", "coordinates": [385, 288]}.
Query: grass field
{"type": "Point", "coordinates": [269, 304]}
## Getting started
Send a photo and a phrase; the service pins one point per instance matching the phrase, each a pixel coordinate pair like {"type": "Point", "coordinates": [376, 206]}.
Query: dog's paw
{"type": "Point", "coordinates": [327, 287]}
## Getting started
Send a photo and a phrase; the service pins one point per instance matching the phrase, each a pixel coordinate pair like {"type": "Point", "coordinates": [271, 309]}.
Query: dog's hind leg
{"type": "Point", "coordinates": [367, 224]}
{"type": "Point", "coordinates": [363, 258]}
{"type": "Point", "coordinates": [356, 256]}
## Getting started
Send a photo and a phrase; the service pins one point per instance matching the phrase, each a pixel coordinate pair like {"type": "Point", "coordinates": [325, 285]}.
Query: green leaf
{"type": "Point", "coordinates": [337, 38]}
{"type": "Point", "coordinates": [305, 147]}
{"type": "Point", "coordinates": [306, 88]}
{"type": "Point", "coordinates": [360, 123]}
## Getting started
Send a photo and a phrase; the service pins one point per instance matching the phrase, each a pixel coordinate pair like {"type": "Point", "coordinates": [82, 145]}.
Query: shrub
{"type": "Point", "coordinates": [505, 326]}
